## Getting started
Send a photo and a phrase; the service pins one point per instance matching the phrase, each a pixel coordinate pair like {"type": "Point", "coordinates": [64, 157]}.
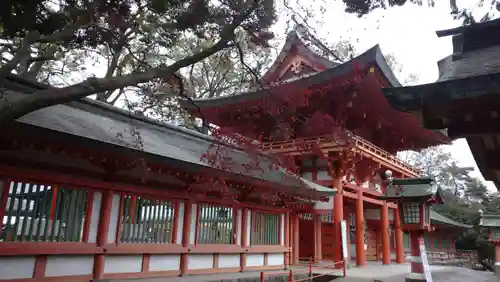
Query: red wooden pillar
{"type": "Point", "coordinates": [317, 238]}
{"type": "Point", "coordinates": [102, 232]}
{"type": "Point", "coordinates": [186, 232]}
{"type": "Point", "coordinates": [244, 238]}
{"type": "Point", "coordinates": [497, 259]}
{"type": "Point", "coordinates": [360, 231]}
{"type": "Point", "coordinates": [287, 239]}
{"type": "Point", "coordinates": [338, 215]}
{"type": "Point", "coordinates": [417, 268]}
{"type": "Point", "coordinates": [384, 229]}
{"type": "Point", "coordinates": [294, 238]}
{"type": "Point", "coordinates": [400, 252]}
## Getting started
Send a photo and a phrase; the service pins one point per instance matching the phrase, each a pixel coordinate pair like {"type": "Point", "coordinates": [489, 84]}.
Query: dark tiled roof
{"type": "Point", "coordinates": [437, 217]}
{"type": "Point", "coordinates": [470, 64]}
{"type": "Point", "coordinates": [98, 121]}
{"type": "Point", "coordinates": [372, 56]}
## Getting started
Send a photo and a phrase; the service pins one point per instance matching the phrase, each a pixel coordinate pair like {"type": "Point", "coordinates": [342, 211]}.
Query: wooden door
{"type": "Point", "coordinates": [371, 249]}
{"type": "Point", "coordinates": [306, 239]}
{"type": "Point", "coordinates": [328, 240]}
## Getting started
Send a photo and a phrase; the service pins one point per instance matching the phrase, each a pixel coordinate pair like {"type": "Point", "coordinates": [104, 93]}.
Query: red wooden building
{"type": "Point", "coordinates": [93, 192]}
{"type": "Point", "coordinates": [334, 123]}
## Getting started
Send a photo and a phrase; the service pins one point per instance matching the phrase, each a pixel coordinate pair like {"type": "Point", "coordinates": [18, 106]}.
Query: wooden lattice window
{"type": "Point", "coordinates": [265, 228]}
{"type": "Point", "coordinates": [145, 220]}
{"type": "Point", "coordinates": [215, 225]}
{"type": "Point", "coordinates": [38, 212]}
{"type": "Point", "coordinates": [411, 213]}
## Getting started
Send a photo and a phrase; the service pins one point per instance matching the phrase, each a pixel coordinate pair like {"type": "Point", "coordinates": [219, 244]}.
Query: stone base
{"type": "Point", "coordinates": [414, 279]}
{"type": "Point", "coordinates": [497, 269]}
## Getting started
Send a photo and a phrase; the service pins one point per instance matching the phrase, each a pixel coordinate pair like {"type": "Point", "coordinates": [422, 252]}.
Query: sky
{"type": "Point", "coordinates": [408, 33]}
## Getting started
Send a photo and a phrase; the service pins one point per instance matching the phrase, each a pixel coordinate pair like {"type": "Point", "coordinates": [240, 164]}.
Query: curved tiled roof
{"type": "Point", "coordinates": [98, 121]}
{"type": "Point", "coordinates": [371, 56]}
{"type": "Point", "coordinates": [435, 216]}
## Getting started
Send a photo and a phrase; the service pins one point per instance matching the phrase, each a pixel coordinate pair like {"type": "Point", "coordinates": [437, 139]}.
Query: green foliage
{"type": "Point", "coordinates": [362, 8]}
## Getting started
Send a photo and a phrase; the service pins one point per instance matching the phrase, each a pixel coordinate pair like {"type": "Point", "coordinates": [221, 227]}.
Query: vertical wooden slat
{"type": "Point", "coordinates": [164, 225]}
{"type": "Point", "coordinates": [24, 209]}
{"type": "Point", "coordinates": [175, 221]}
{"type": "Point", "coordinates": [54, 209]}
{"type": "Point", "coordinates": [4, 197]}
{"type": "Point", "coordinates": [12, 203]}
{"type": "Point", "coordinates": [89, 203]}
{"type": "Point", "coordinates": [20, 198]}
{"type": "Point", "coordinates": [43, 208]}
{"type": "Point", "coordinates": [63, 195]}
{"type": "Point", "coordinates": [34, 214]}
{"type": "Point", "coordinates": [47, 209]}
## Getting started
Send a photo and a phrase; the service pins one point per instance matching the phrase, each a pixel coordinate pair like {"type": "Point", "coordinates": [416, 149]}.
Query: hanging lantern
{"type": "Point", "coordinates": [414, 197]}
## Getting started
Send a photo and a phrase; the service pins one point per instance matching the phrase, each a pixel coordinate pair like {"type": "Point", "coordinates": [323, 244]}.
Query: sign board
{"type": "Point", "coordinates": [425, 262]}
{"type": "Point", "coordinates": [343, 230]}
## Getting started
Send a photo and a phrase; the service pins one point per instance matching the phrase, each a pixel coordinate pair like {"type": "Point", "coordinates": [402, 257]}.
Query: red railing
{"type": "Point", "coordinates": [309, 271]}
{"type": "Point", "coordinates": [329, 143]}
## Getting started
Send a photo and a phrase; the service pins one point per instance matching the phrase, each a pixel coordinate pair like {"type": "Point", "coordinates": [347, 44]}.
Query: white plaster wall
{"type": "Point", "coordinates": [94, 217]}
{"type": "Point", "coordinates": [249, 225]}
{"type": "Point", "coordinates": [324, 205]}
{"type": "Point", "coordinates": [69, 265]}
{"type": "Point", "coordinates": [323, 175]}
{"type": "Point", "coordinates": [123, 264]}
{"type": "Point", "coordinates": [375, 214]}
{"type": "Point", "coordinates": [307, 175]}
{"type": "Point", "coordinates": [164, 262]}
{"type": "Point", "coordinates": [200, 261]}
{"type": "Point", "coordinates": [282, 231]}
{"type": "Point", "coordinates": [275, 259]}
{"type": "Point", "coordinates": [255, 259]}
{"type": "Point", "coordinates": [113, 219]}
{"type": "Point", "coordinates": [192, 234]}
{"type": "Point", "coordinates": [16, 267]}
{"type": "Point", "coordinates": [239, 216]}
{"type": "Point", "coordinates": [180, 223]}
{"type": "Point", "coordinates": [229, 260]}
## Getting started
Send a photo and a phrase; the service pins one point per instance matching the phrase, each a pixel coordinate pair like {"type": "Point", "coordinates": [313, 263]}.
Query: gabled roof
{"type": "Point", "coordinates": [90, 119]}
{"type": "Point", "coordinates": [439, 218]}
{"type": "Point", "coordinates": [295, 44]}
{"type": "Point", "coordinates": [372, 56]}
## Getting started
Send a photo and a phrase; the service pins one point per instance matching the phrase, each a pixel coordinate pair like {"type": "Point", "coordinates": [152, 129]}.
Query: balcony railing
{"type": "Point", "coordinates": [346, 141]}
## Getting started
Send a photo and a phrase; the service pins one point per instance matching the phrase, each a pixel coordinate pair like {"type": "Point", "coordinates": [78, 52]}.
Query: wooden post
{"type": "Point", "coordinates": [338, 214]}
{"type": "Point", "coordinates": [317, 238]}
{"type": "Point", "coordinates": [295, 238]}
{"type": "Point", "coordinates": [384, 228]}
{"type": "Point", "coordinates": [186, 232]}
{"type": "Point", "coordinates": [417, 268]}
{"type": "Point", "coordinates": [102, 232]}
{"type": "Point", "coordinates": [360, 231]}
{"type": "Point", "coordinates": [497, 259]}
{"type": "Point", "coordinates": [244, 238]}
{"type": "Point", "coordinates": [400, 252]}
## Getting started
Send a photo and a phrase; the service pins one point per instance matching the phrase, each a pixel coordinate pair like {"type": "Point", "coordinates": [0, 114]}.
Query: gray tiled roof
{"type": "Point", "coordinates": [435, 216]}
{"type": "Point", "coordinates": [469, 64]}
{"type": "Point", "coordinates": [98, 121]}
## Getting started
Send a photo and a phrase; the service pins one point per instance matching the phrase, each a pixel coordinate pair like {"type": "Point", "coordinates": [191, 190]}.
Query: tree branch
{"type": "Point", "coordinates": [10, 110]}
